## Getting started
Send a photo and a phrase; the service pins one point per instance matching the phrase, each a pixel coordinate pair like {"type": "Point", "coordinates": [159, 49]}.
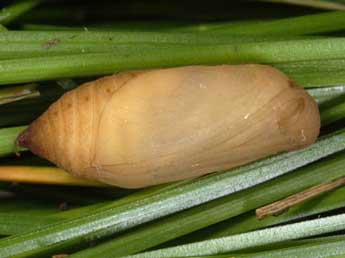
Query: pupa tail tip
{"type": "Point", "coordinates": [23, 139]}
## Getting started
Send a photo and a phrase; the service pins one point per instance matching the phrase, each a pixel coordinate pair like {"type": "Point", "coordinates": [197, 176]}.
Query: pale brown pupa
{"type": "Point", "coordinates": [144, 128]}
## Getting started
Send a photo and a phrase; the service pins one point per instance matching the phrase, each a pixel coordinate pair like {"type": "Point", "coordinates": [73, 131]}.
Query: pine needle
{"type": "Point", "coordinates": [252, 239]}
{"type": "Point", "coordinates": [9, 13]}
{"type": "Point", "coordinates": [328, 5]}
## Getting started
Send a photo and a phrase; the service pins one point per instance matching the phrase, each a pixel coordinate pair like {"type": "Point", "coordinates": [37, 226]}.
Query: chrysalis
{"type": "Point", "coordinates": [137, 129]}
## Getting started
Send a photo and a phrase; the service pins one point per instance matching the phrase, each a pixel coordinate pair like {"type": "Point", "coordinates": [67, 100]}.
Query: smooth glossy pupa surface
{"type": "Point", "coordinates": [137, 129]}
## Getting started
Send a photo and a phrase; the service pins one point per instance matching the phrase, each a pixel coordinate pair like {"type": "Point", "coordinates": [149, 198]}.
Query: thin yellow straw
{"type": "Point", "coordinates": [42, 175]}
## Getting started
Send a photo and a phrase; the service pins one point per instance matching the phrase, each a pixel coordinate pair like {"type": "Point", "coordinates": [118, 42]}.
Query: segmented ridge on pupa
{"type": "Point", "coordinates": [65, 132]}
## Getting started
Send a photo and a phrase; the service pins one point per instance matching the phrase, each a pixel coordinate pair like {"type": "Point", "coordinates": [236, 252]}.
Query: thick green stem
{"type": "Point", "coordinates": [125, 37]}
{"type": "Point", "coordinates": [47, 68]}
